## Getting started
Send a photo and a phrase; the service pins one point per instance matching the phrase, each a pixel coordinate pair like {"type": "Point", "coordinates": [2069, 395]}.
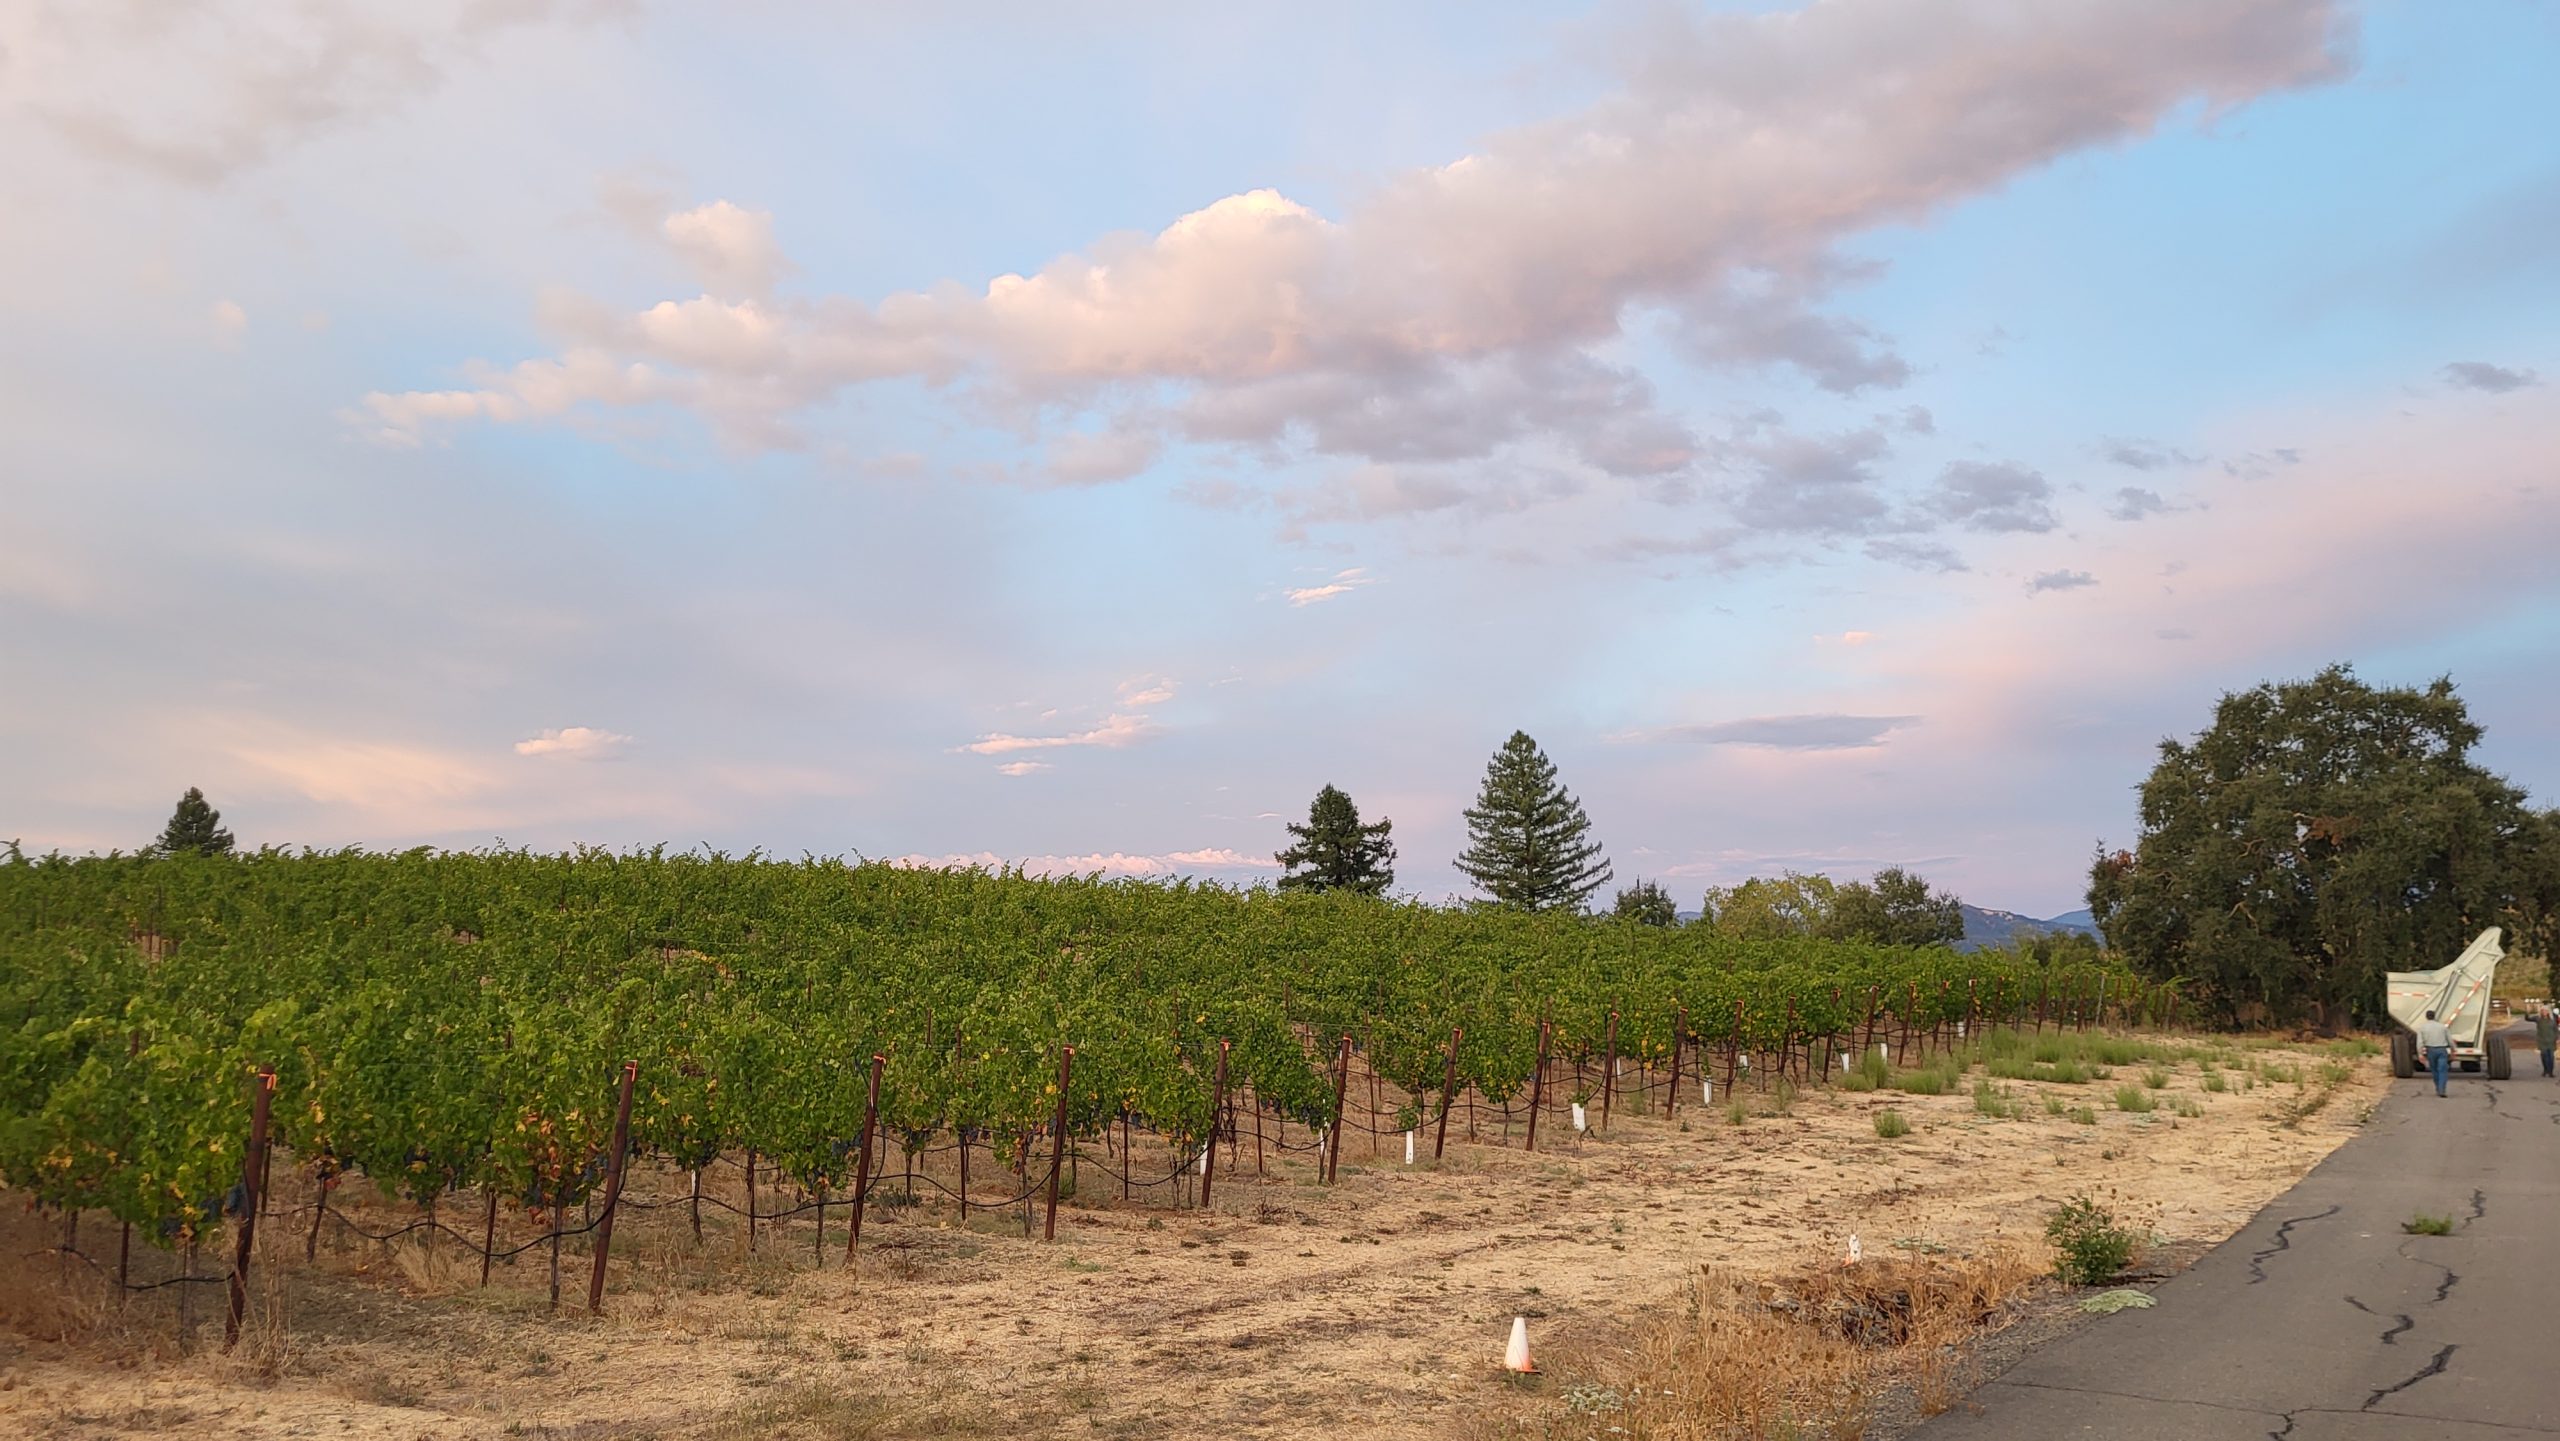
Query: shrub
{"type": "Point", "coordinates": [2052, 1104]}
{"type": "Point", "coordinates": [1992, 1101]}
{"type": "Point", "coordinates": [2188, 1108]}
{"type": "Point", "coordinates": [2133, 1098]}
{"type": "Point", "coordinates": [1736, 1112]}
{"type": "Point", "coordinates": [2423, 1224]}
{"type": "Point", "coordinates": [2156, 1078]}
{"type": "Point", "coordinates": [1890, 1125]}
{"type": "Point", "coordinates": [2084, 1115]}
{"type": "Point", "coordinates": [2090, 1249]}
{"type": "Point", "coordinates": [2216, 1081]}
{"type": "Point", "coordinates": [1930, 1082]}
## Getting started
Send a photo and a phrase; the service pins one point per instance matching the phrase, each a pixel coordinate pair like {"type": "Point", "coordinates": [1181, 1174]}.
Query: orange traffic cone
{"type": "Point", "coordinates": [1515, 1357]}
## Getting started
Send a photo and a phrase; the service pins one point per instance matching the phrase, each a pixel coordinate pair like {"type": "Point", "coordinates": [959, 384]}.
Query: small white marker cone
{"type": "Point", "coordinates": [1844, 1061]}
{"type": "Point", "coordinates": [1746, 1060]}
{"type": "Point", "coordinates": [1515, 1357]}
{"type": "Point", "coordinates": [1856, 1252]}
{"type": "Point", "coordinates": [1959, 1029]}
{"type": "Point", "coordinates": [1881, 1053]}
{"type": "Point", "coordinates": [1408, 1148]}
{"type": "Point", "coordinates": [1204, 1159]}
{"type": "Point", "coordinates": [1580, 1123]}
{"type": "Point", "coordinates": [1706, 1091]}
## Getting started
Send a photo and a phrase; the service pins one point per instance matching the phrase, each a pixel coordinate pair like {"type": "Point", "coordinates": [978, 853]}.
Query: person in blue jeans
{"type": "Point", "coordinates": [2546, 1034]}
{"type": "Point", "coordinates": [2438, 1041]}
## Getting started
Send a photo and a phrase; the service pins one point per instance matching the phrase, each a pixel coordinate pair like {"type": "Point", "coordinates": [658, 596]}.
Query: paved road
{"type": "Point", "coordinates": [2321, 1320]}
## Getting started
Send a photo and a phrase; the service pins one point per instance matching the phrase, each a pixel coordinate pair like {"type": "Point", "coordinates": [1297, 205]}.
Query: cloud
{"type": "Point", "coordinates": [1021, 768]}
{"type": "Point", "coordinates": [2060, 580]}
{"type": "Point", "coordinates": [1994, 498]}
{"type": "Point", "coordinates": [1343, 583]}
{"type": "Point", "coordinates": [2144, 454]}
{"type": "Point", "coordinates": [1114, 733]}
{"type": "Point", "coordinates": [1916, 555]}
{"type": "Point", "coordinates": [1147, 690]}
{"type": "Point", "coordinates": [1816, 485]}
{"type": "Point", "coordinates": [200, 93]}
{"type": "Point", "coordinates": [1851, 638]}
{"type": "Point", "coordinates": [1220, 857]}
{"type": "Point", "coordinates": [2495, 379]}
{"type": "Point", "coordinates": [2135, 503]}
{"type": "Point", "coordinates": [731, 250]}
{"type": "Point", "coordinates": [574, 743]}
{"type": "Point", "coordinates": [1798, 732]}
{"type": "Point", "coordinates": [1480, 305]}
{"type": "Point", "coordinates": [1078, 459]}
{"type": "Point", "coordinates": [2259, 464]}
{"type": "Point", "coordinates": [230, 322]}
{"type": "Point", "coordinates": [1109, 863]}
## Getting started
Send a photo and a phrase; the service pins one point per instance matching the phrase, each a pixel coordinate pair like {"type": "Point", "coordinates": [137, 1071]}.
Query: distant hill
{"type": "Point", "coordinates": [1999, 928]}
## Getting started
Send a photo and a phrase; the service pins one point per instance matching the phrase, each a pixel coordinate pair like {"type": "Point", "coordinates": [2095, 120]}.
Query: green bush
{"type": "Point", "coordinates": [1933, 1081]}
{"type": "Point", "coordinates": [2423, 1224]}
{"type": "Point", "coordinates": [2084, 1115]}
{"type": "Point", "coordinates": [2090, 1249]}
{"type": "Point", "coordinates": [1890, 1125]}
{"type": "Point", "coordinates": [2133, 1098]}
{"type": "Point", "coordinates": [2052, 1104]}
{"type": "Point", "coordinates": [2156, 1078]}
{"type": "Point", "coordinates": [2216, 1081]}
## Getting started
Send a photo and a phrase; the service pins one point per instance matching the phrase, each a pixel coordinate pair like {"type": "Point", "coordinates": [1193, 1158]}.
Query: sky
{"type": "Point", "coordinates": [1842, 434]}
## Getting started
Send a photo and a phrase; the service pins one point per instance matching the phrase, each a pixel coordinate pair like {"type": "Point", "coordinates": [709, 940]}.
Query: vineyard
{"type": "Point", "coordinates": [460, 1022]}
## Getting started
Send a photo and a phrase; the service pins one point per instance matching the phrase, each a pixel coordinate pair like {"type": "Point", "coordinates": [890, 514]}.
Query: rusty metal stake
{"type": "Point", "coordinates": [1609, 1069]}
{"type": "Point", "coordinates": [612, 1187]}
{"type": "Point", "coordinates": [862, 1167]}
{"type": "Point", "coordinates": [253, 1180]}
{"type": "Point", "coordinates": [1341, 1082]}
{"type": "Point", "coordinates": [1679, 1033]}
{"type": "Point", "coordinates": [1058, 1141]}
{"type": "Point", "coordinates": [1217, 1108]}
{"type": "Point", "coordinates": [1448, 1093]}
{"type": "Point", "coordinates": [1537, 1088]}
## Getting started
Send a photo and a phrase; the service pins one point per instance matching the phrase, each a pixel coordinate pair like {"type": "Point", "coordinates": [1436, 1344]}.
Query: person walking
{"type": "Point", "coordinates": [2437, 1038]}
{"type": "Point", "coordinates": [2546, 1033]}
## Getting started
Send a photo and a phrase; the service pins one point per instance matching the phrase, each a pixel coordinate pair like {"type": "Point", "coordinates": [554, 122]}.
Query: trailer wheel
{"type": "Point", "coordinates": [2502, 1063]}
{"type": "Point", "coordinates": [2404, 1055]}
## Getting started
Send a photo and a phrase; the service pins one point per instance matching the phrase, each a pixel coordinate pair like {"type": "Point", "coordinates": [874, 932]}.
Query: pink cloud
{"type": "Point", "coordinates": [1465, 306]}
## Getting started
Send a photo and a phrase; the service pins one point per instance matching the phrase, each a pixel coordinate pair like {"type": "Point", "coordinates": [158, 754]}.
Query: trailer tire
{"type": "Point", "coordinates": [2404, 1055]}
{"type": "Point", "coordinates": [2502, 1062]}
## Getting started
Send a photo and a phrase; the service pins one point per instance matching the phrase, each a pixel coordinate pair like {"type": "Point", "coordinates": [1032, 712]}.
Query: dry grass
{"type": "Point", "coordinates": [1803, 1356]}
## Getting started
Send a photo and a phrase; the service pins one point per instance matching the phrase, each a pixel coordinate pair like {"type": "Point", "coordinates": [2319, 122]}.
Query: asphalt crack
{"type": "Point", "coordinates": [2479, 1205]}
{"type": "Point", "coordinates": [2434, 1367]}
{"type": "Point", "coordinates": [2403, 1321]}
{"type": "Point", "coordinates": [2283, 1242]}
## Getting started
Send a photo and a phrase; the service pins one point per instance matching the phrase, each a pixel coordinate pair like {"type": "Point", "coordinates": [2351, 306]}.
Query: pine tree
{"type": "Point", "coordinates": [1528, 841]}
{"type": "Point", "coordinates": [1335, 852]}
{"type": "Point", "coordinates": [1647, 904]}
{"type": "Point", "coordinates": [194, 826]}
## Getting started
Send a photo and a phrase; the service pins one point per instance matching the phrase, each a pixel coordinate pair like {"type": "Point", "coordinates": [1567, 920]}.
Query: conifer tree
{"type": "Point", "coordinates": [1528, 841]}
{"type": "Point", "coordinates": [1335, 852]}
{"type": "Point", "coordinates": [195, 826]}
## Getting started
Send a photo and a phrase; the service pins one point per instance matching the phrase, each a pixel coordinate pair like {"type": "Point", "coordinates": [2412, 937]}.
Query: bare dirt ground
{"type": "Point", "coordinates": [1375, 1307]}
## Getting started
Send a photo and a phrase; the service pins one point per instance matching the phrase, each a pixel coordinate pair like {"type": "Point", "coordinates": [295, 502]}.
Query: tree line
{"type": "Point", "coordinates": [2315, 835]}
{"type": "Point", "coordinates": [1529, 846]}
